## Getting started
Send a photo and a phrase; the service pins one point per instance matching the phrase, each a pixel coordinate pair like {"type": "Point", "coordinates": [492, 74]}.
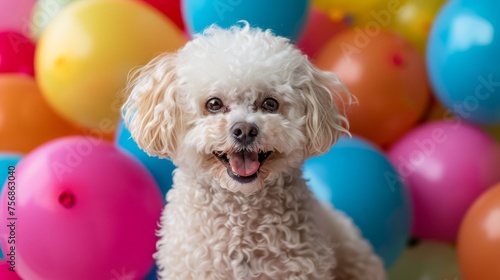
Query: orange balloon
{"type": "Point", "coordinates": [387, 76]}
{"type": "Point", "coordinates": [26, 120]}
{"type": "Point", "coordinates": [479, 238]}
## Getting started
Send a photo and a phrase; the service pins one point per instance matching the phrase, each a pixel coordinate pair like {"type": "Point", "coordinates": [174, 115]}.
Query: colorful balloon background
{"type": "Point", "coordinates": [466, 33]}
{"type": "Point", "coordinates": [84, 56]}
{"type": "Point", "coordinates": [17, 53]}
{"type": "Point", "coordinates": [479, 238]}
{"type": "Point", "coordinates": [357, 178]}
{"type": "Point", "coordinates": [386, 75]}
{"type": "Point", "coordinates": [83, 203]}
{"type": "Point", "coordinates": [414, 20]}
{"type": "Point", "coordinates": [425, 73]}
{"type": "Point", "coordinates": [358, 12]}
{"type": "Point", "coordinates": [285, 18]}
{"type": "Point", "coordinates": [318, 30]}
{"type": "Point", "coordinates": [427, 260]}
{"type": "Point", "coordinates": [5, 273]}
{"type": "Point", "coordinates": [15, 15]}
{"type": "Point", "coordinates": [161, 169]}
{"type": "Point", "coordinates": [27, 120]}
{"type": "Point", "coordinates": [443, 183]}
{"type": "Point", "coordinates": [45, 10]}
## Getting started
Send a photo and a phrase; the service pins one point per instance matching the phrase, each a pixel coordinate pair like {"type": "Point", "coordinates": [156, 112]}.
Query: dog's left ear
{"type": "Point", "coordinates": [151, 111]}
{"type": "Point", "coordinates": [323, 92]}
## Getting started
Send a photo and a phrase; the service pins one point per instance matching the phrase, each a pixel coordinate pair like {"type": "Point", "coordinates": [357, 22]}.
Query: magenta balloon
{"type": "Point", "coordinates": [85, 211]}
{"type": "Point", "coordinates": [15, 15]}
{"type": "Point", "coordinates": [17, 53]}
{"type": "Point", "coordinates": [447, 165]}
{"type": "Point", "coordinates": [5, 273]}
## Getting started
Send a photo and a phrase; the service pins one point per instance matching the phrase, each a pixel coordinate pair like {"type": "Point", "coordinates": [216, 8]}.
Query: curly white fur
{"type": "Point", "coordinates": [217, 227]}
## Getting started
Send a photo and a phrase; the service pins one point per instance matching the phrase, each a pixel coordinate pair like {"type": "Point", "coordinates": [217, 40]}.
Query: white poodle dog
{"type": "Point", "coordinates": [238, 111]}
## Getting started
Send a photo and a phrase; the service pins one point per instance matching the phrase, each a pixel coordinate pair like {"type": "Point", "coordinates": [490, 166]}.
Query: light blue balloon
{"type": "Point", "coordinates": [286, 18]}
{"type": "Point", "coordinates": [463, 58]}
{"type": "Point", "coordinates": [359, 180]}
{"type": "Point", "coordinates": [6, 160]}
{"type": "Point", "coordinates": [161, 169]}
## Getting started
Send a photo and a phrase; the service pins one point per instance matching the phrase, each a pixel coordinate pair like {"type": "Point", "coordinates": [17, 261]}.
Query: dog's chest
{"type": "Point", "coordinates": [225, 235]}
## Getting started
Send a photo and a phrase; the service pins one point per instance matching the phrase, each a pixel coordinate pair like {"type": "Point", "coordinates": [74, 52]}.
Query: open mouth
{"type": "Point", "coordinates": [243, 166]}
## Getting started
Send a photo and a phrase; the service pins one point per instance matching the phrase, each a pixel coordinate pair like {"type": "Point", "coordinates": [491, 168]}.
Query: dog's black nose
{"type": "Point", "coordinates": [244, 132]}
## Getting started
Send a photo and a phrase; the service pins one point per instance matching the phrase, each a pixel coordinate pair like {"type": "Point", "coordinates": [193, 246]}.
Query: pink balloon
{"type": "Point", "coordinates": [447, 165]}
{"type": "Point", "coordinates": [6, 274]}
{"type": "Point", "coordinates": [15, 15]}
{"type": "Point", "coordinates": [85, 211]}
{"type": "Point", "coordinates": [319, 30]}
{"type": "Point", "coordinates": [16, 53]}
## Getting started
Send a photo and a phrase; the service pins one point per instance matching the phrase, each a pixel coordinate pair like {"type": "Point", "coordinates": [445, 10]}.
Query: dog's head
{"type": "Point", "coordinates": [238, 107]}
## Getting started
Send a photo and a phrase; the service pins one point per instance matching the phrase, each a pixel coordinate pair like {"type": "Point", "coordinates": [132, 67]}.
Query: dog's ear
{"type": "Point", "coordinates": [324, 93]}
{"type": "Point", "coordinates": [151, 111]}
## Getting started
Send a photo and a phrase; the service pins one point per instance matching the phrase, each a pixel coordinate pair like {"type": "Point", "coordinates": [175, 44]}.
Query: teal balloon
{"type": "Point", "coordinates": [6, 160]}
{"type": "Point", "coordinates": [160, 168]}
{"type": "Point", "coordinates": [463, 59]}
{"type": "Point", "coordinates": [284, 17]}
{"type": "Point", "coordinates": [358, 179]}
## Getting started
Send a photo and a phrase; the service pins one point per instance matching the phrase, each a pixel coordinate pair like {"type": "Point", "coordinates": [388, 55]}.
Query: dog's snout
{"type": "Point", "coordinates": [244, 132]}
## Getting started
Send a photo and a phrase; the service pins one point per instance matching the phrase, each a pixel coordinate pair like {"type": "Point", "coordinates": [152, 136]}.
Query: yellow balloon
{"type": "Point", "coordinates": [85, 54]}
{"type": "Point", "coordinates": [358, 12]}
{"type": "Point", "coordinates": [414, 21]}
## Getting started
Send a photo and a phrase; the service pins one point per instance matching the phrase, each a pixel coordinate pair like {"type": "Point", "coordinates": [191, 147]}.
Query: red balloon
{"type": "Point", "coordinates": [320, 28]}
{"type": "Point", "coordinates": [16, 53]}
{"type": "Point", "coordinates": [170, 8]}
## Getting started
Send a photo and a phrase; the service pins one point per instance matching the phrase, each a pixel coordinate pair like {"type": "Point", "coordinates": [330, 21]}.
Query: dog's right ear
{"type": "Point", "coordinates": [151, 111]}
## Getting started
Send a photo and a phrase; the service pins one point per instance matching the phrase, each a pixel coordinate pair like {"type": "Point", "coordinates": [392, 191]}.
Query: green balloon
{"type": "Point", "coordinates": [43, 13]}
{"type": "Point", "coordinates": [427, 260]}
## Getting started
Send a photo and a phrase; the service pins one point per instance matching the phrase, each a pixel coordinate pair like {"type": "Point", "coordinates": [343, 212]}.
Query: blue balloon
{"type": "Point", "coordinates": [161, 169]}
{"type": "Point", "coordinates": [358, 179]}
{"type": "Point", "coordinates": [6, 160]}
{"type": "Point", "coordinates": [463, 59]}
{"type": "Point", "coordinates": [284, 17]}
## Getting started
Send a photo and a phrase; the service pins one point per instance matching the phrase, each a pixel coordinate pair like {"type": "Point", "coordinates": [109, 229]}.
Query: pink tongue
{"type": "Point", "coordinates": [244, 163]}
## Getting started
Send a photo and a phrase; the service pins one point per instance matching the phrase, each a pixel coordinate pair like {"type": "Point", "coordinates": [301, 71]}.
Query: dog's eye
{"type": "Point", "coordinates": [270, 104]}
{"type": "Point", "coordinates": [214, 105]}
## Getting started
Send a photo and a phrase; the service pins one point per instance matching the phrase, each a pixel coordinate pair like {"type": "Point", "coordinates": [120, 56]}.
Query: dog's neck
{"type": "Point", "coordinates": [285, 187]}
